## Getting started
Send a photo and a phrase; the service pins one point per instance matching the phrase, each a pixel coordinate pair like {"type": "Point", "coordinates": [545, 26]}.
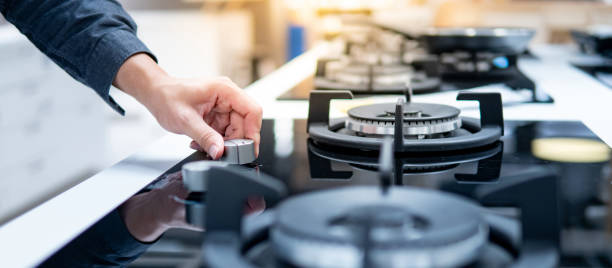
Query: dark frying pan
{"type": "Point", "coordinates": [593, 41]}
{"type": "Point", "coordinates": [507, 41]}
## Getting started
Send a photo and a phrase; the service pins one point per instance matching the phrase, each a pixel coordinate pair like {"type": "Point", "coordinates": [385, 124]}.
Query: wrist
{"type": "Point", "coordinates": [140, 77]}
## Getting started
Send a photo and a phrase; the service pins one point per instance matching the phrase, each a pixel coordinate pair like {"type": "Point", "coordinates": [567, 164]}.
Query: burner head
{"type": "Point", "coordinates": [404, 226]}
{"type": "Point", "coordinates": [384, 222]}
{"type": "Point", "coordinates": [420, 119]}
{"type": "Point", "coordinates": [367, 78]}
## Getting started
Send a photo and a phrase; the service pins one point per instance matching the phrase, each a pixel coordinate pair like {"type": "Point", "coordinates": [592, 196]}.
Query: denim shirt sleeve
{"type": "Point", "coordinates": [89, 39]}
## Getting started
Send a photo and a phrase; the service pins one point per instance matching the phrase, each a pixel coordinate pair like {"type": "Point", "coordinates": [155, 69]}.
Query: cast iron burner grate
{"type": "Point", "coordinates": [422, 127]}
{"type": "Point", "coordinates": [368, 78]}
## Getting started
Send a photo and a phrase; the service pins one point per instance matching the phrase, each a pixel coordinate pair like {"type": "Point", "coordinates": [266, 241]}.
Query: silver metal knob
{"type": "Point", "coordinates": [195, 176]}
{"type": "Point", "coordinates": [239, 151]}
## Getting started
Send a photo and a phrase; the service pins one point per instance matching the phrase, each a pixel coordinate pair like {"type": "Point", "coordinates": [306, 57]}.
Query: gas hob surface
{"type": "Point", "coordinates": [544, 194]}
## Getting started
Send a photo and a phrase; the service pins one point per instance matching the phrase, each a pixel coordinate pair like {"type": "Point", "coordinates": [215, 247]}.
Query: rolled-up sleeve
{"type": "Point", "coordinates": [89, 39]}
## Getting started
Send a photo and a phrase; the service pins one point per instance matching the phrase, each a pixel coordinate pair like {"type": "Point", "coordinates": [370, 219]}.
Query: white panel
{"type": "Point", "coordinates": [19, 58]}
{"type": "Point", "coordinates": [181, 41]}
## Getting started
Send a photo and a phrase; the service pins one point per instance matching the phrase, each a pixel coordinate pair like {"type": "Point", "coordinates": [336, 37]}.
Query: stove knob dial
{"type": "Point", "coordinates": [195, 176]}
{"type": "Point", "coordinates": [239, 151]}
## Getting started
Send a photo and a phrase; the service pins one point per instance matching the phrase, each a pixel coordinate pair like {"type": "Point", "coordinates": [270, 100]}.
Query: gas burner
{"type": "Point", "coordinates": [363, 225]}
{"type": "Point", "coordinates": [369, 226]}
{"type": "Point", "coordinates": [377, 46]}
{"type": "Point", "coordinates": [423, 127]}
{"type": "Point", "coordinates": [334, 74]}
{"type": "Point", "coordinates": [376, 57]}
{"type": "Point", "coordinates": [387, 61]}
{"type": "Point", "coordinates": [420, 120]}
{"type": "Point", "coordinates": [376, 64]}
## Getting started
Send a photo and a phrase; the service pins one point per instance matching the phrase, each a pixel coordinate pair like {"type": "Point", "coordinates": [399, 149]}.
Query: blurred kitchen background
{"type": "Point", "coordinates": [54, 132]}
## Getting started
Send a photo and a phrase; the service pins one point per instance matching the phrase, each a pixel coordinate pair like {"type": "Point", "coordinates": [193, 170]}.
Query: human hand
{"type": "Point", "coordinates": [206, 110]}
{"type": "Point", "coordinates": [148, 215]}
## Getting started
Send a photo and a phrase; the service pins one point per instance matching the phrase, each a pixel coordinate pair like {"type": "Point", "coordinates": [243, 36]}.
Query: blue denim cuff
{"type": "Point", "coordinates": [109, 54]}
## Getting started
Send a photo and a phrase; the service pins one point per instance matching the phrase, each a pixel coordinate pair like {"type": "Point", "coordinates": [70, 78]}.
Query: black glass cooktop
{"type": "Point", "coordinates": [552, 177]}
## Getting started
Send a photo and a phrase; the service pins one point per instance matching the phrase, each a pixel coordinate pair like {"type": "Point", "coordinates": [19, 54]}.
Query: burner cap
{"type": "Point", "coordinates": [419, 119]}
{"type": "Point", "coordinates": [404, 227]}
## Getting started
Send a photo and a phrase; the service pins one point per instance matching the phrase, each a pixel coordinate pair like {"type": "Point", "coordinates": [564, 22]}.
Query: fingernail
{"type": "Point", "coordinates": [213, 151]}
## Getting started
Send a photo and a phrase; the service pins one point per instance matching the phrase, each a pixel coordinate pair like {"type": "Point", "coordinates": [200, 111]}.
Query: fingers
{"type": "Point", "coordinates": [194, 145]}
{"type": "Point", "coordinates": [250, 112]}
{"type": "Point", "coordinates": [236, 128]}
{"type": "Point", "coordinates": [231, 98]}
{"type": "Point", "coordinates": [218, 121]}
{"type": "Point", "coordinates": [226, 98]}
{"type": "Point", "coordinates": [241, 127]}
{"type": "Point", "coordinates": [253, 134]}
{"type": "Point", "coordinates": [255, 204]}
{"type": "Point", "coordinates": [204, 135]}
{"type": "Point", "coordinates": [175, 187]}
{"type": "Point", "coordinates": [252, 128]}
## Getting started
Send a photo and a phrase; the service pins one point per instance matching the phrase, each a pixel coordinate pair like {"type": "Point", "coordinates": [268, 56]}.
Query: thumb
{"type": "Point", "coordinates": [208, 138]}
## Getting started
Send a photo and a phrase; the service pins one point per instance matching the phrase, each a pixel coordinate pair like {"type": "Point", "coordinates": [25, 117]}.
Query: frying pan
{"type": "Point", "coordinates": [509, 41]}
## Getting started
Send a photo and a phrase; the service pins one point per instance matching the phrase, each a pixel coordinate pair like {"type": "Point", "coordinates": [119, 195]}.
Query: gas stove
{"type": "Point", "coordinates": [382, 61]}
{"type": "Point", "coordinates": [383, 201]}
{"type": "Point", "coordinates": [402, 184]}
